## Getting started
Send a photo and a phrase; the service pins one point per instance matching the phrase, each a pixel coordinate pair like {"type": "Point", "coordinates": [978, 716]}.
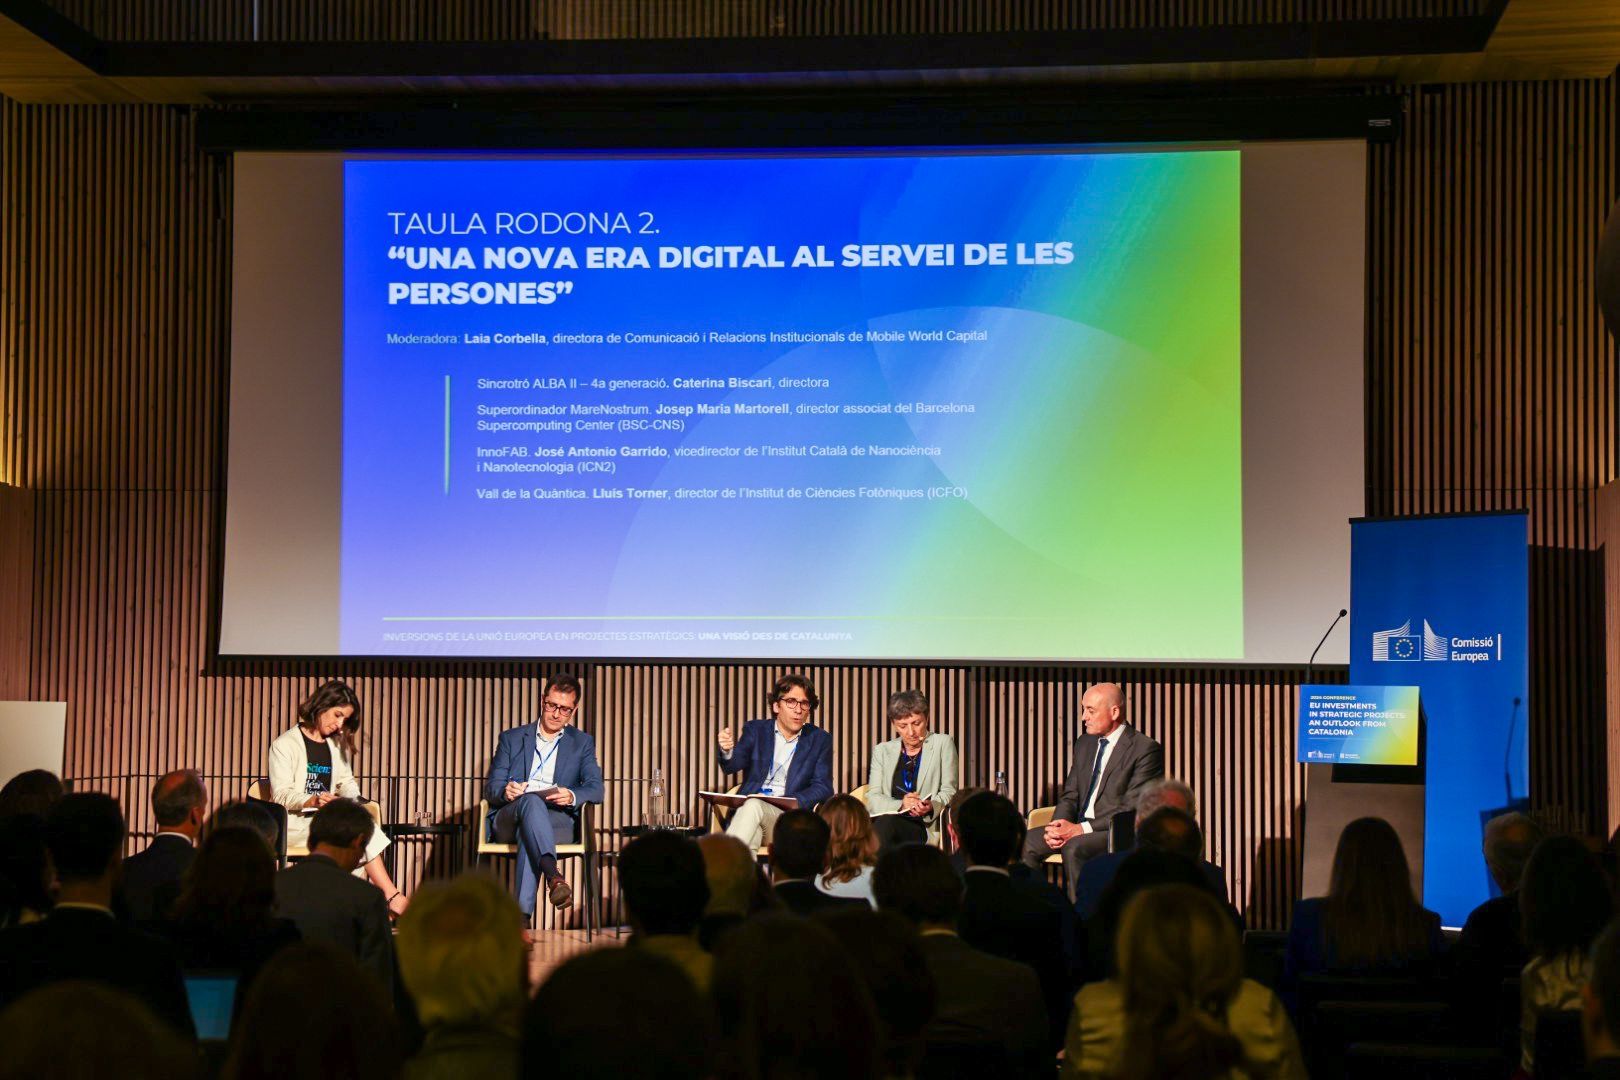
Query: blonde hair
{"type": "Point", "coordinates": [1180, 966]}
{"type": "Point", "coordinates": [461, 952]}
{"type": "Point", "coordinates": [730, 869]}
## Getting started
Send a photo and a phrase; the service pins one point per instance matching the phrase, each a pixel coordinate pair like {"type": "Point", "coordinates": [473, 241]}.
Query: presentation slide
{"type": "Point", "coordinates": [945, 404]}
{"type": "Point", "coordinates": [1358, 725]}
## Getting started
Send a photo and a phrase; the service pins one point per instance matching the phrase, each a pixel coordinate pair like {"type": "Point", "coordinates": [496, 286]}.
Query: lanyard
{"type": "Point", "coordinates": [910, 766]}
{"type": "Point", "coordinates": [777, 777]}
{"type": "Point", "coordinates": [540, 762]}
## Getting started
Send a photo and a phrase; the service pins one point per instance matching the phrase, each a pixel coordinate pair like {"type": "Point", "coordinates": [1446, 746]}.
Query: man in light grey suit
{"type": "Point", "coordinates": [1112, 763]}
{"type": "Point", "coordinates": [913, 776]}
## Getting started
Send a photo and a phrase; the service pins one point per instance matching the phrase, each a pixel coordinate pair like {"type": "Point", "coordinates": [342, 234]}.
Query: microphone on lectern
{"type": "Point", "coordinates": [1311, 663]}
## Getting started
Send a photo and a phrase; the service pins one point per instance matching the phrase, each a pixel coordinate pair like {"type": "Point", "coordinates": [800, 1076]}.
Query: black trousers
{"type": "Point", "coordinates": [896, 829]}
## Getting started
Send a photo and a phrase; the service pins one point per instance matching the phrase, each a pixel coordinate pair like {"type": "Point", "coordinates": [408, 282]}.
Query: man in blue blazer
{"type": "Point", "coordinates": [784, 757]}
{"type": "Point", "coordinates": [542, 774]}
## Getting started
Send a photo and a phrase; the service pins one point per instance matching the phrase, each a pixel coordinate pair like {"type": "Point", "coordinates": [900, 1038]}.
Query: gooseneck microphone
{"type": "Point", "coordinates": [1311, 663]}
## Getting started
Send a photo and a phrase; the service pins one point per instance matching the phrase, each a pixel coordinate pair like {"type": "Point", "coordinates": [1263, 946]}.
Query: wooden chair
{"type": "Point", "coordinates": [1039, 818]}
{"type": "Point", "coordinates": [259, 792]}
{"type": "Point", "coordinates": [584, 850]}
{"type": "Point", "coordinates": [860, 794]}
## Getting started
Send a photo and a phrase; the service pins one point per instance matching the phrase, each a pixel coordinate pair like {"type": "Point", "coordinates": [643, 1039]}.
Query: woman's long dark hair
{"type": "Point", "coordinates": [1564, 898]}
{"type": "Point", "coordinates": [334, 694]}
{"type": "Point", "coordinates": [230, 886]}
{"type": "Point", "coordinates": [1371, 918]}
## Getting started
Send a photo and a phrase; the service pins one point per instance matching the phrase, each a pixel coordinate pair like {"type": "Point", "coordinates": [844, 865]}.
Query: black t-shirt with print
{"type": "Point", "coordinates": [318, 773]}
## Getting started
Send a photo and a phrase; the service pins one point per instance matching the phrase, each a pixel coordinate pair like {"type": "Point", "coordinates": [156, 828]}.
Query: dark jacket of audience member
{"type": "Point", "coordinates": [83, 1029]}
{"type": "Point", "coordinates": [1370, 922]}
{"type": "Point", "coordinates": [329, 904]}
{"type": "Point", "coordinates": [313, 1014]}
{"type": "Point", "coordinates": [1145, 868]}
{"type": "Point", "coordinates": [1491, 946]}
{"type": "Point", "coordinates": [980, 1000]}
{"type": "Point", "coordinates": [887, 952]}
{"type": "Point", "coordinates": [662, 883]}
{"type": "Point", "coordinates": [151, 878]}
{"type": "Point", "coordinates": [1002, 916]}
{"type": "Point", "coordinates": [1168, 828]}
{"type": "Point", "coordinates": [613, 1013]}
{"type": "Point", "coordinates": [81, 939]}
{"type": "Point", "coordinates": [798, 854]}
{"type": "Point", "coordinates": [1565, 903]}
{"type": "Point", "coordinates": [25, 870]}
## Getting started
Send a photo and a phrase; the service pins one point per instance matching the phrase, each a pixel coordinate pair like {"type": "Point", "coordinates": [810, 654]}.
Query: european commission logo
{"type": "Point", "coordinates": [1400, 643]}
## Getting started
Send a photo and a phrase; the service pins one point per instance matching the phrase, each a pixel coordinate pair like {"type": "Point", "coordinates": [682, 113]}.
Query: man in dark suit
{"type": "Point", "coordinates": [328, 903]}
{"type": "Point", "coordinates": [81, 939]}
{"type": "Point", "coordinates": [152, 877]}
{"type": "Point", "coordinates": [1099, 870]}
{"type": "Point", "coordinates": [798, 854]}
{"type": "Point", "coordinates": [783, 757]}
{"type": "Point", "coordinates": [1010, 918]}
{"type": "Point", "coordinates": [1491, 946]}
{"type": "Point", "coordinates": [982, 1003]}
{"type": "Point", "coordinates": [1600, 1008]}
{"type": "Point", "coordinates": [543, 773]}
{"type": "Point", "coordinates": [1112, 763]}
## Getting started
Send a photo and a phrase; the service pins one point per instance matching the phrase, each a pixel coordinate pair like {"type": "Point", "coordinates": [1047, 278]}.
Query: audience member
{"type": "Point", "coordinates": [662, 884]}
{"type": "Point", "coordinates": [224, 918]}
{"type": "Point", "coordinates": [851, 849]}
{"type": "Point", "coordinates": [795, 1002]}
{"type": "Point", "coordinates": [1099, 870]}
{"type": "Point", "coordinates": [32, 792]}
{"type": "Point", "coordinates": [152, 877]}
{"type": "Point", "coordinates": [1600, 1007]}
{"type": "Point", "coordinates": [1180, 1006]}
{"type": "Point", "coordinates": [248, 814]}
{"type": "Point", "coordinates": [1564, 902]}
{"type": "Point", "coordinates": [1491, 946]}
{"type": "Point", "coordinates": [465, 965]}
{"type": "Point", "coordinates": [613, 1013]}
{"type": "Point", "coordinates": [80, 1030]}
{"type": "Point", "coordinates": [1001, 916]}
{"type": "Point", "coordinates": [27, 880]}
{"type": "Point", "coordinates": [1146, 868]}
{"type": "Point", "coordinates": [81, 939]}
{"type": "Point", "coordinates": [331, 905]}
{"type": "Point", "coordinates": [732, 874]}
{"type": "Point", "coordinates": [1370, 922]}
{"type": "Point", "coordinates": [313, 1014]}
{"type": "Point", "coordinates": [952, 837]}
{"type": "Point", "coordinates": [980, 1000]}
{"type": "Point", "coordinates": [887, 952]}
{"type": "Point", "coordinates": [798, 854]}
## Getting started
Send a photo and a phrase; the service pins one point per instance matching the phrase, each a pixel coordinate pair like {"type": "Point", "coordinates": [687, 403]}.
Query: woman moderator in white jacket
{"type": "Point", "coordinates": [913, 775]}
{"type": "Point", "coordinates": [309, 767]}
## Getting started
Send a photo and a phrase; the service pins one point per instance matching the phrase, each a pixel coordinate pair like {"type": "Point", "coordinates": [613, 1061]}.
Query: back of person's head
{"type": "Point", "coordinates": [230, 885]}
{"type": "Point", "coordinates": [610, 1013]}
{"type": "Point", "coordinates": [1601, 995]}
{"type": "Point", "coordinates": [1180, 967]}
{"type": "Point", "coordinates": [1172, 830]}
{"type": "Point", "coordinates": [821, 1022]}
{"type": "Point", "coordinates": [313, 1013]}
{"type": "Point", "coordinates": [916, 882]}
{"type": "Point", "coordinates": [246, 814]}
{"type": "Point", "coordinates": [889, 959]}
{"type": "Point", "coordinates": [1166, 792]}
{"type": "Point", "coordinates": [176, 796]}
{"type": "Point", "coordinates": [340, 823]}
{"type": "Point", "coordinates": [1509, 840]}
{"type": "Point", "coordinates": [25, 869]}
{"type": "Point", "coordinates": [32, 792]}
{"type": "Point", "coordinates": [851, 843]}
{"type": "Point", "coordinates": [799, 845]}
{"type": "Point", "coordinates": [662, 883]}
{"type": "Point", "coordinates": [86, 836]}
{"type": "Point", "coordinates": [1372, 918]}
{"type": "Point", "coordinates": [1564, 898]}
{"type": "Point", "coordinates": [990, 829]}
{"type": "Point", "coordinates": [462, 955]}
{"type": "Point", "coordinates": [1142, 869]}
{"type": "Point", "coordinates": [83, 1029]}
{"type": "Point", "coordinates": [731, 871]}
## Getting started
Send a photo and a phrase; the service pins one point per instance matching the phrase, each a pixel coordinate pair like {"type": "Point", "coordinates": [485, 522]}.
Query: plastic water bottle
{"type": "Point", "coordinates": [1001, 783]}
{"type": "Point", "coordinates": [655, 800]}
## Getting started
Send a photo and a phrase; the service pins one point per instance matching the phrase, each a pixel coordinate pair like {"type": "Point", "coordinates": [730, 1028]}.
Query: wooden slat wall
{"type": "Point", "coordinates": [1490, 384]}
{"type": "Point", "coordinates": [16, 590]}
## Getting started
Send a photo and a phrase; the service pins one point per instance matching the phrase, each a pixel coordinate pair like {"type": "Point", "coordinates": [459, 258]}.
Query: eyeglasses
{"type": "Point", "coordinates": [564, 711]}
{"type": "Point", "coordinates": [797, 704]}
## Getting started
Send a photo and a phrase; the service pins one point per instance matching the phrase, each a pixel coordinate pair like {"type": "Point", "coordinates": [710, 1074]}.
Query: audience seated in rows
{"type": "Point", "coordinates": [152, 877]}
{"type": "Point", "coordinates": [314, 1014]}
{"type": "Point", "coordinates": [1168, 855]}
{"type": "Point", "coordinates": [464, 962]}
{"type": "Point", "coordinates": [798, 854]}
{"type": "Point", "coordinates": [81, 1030]}
{"type": "Point", "coordinates": [733, 876]}
{"type": "Point", "coordinates": [32, 792]}
{"type": "Point", "coordinates": [851, 849]}
{"type": "Point", "coordinates": [81, 938]}
{"type": "Point", "coordinates": [888, 957]}
{"type": "Point", "coordinates": [1180, 1006]}
{"type": "Point", "coordinates": [1015, 919]}
{"type": "Point", "coordinates": [793, 1001]}
{"type": "Point", "coordinates": [979, 999]}
{"type": "Point", "coordinates": [1491, 946]}
{"type": "Point", "coordinates": [27, 878]}
{"type": "Point", "coordinates": [959, 800]}
{"type": "Point", "coordinates": [662, 884]}
{"type": "Point", "coordinates": [1600, 1007]}
{"type": "Point", "coordinates": [614, 1013]}
{"type": "Point", "coordinates": [328, 903]}
{"type": "Point", "coordinates": [1565, 903]}
{"type": "Point", "coordinates": [1370, 923]}
{"type": "Point", "coordinates": [249, 814]}
{"type": "Point", "coordinates": [1099, 870]}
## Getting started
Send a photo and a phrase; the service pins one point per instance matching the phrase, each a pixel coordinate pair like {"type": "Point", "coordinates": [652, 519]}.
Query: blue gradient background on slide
{"type": "Point", "coordinates": [1102, 466]}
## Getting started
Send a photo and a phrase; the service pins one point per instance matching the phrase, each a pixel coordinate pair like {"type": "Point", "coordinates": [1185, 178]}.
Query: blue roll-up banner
{"type": "Point", "coordinates": [1443, 604]}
